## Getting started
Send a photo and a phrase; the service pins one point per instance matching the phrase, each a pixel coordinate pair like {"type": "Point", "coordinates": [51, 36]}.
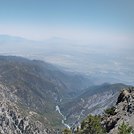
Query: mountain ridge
{"type": "Point", "coordinates": [53, 96]}
{"type": "Point", "coordinates": [39, 86]}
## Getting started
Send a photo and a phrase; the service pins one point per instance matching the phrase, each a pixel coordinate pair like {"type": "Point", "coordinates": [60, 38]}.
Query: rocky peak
{"type": "Point", "coordinates": [125, 95]}
{"type": "Point", "coordinates": [12, 122]}
{"type": "Point", "coordinates": [123, 112]}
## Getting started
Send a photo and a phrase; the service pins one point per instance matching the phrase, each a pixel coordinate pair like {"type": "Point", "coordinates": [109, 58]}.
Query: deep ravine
{"type": "Point", "coordinates": [64, 117]}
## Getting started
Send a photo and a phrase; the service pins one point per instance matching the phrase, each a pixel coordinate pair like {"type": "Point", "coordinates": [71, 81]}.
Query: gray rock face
{"type": "Point", "coordinates": [124, 112]}
{"type": "Point", "coordinates": [12, 121]}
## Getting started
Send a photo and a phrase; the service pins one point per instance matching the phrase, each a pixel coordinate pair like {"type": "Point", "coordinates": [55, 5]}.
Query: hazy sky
{"type": "Point", "coordinates": [94, 21]}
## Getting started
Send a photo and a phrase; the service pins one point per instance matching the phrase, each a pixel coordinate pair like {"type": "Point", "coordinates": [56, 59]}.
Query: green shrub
{"type": "Point", "coordinates": [124, 129]}
{"type": "Point", "coordinates": [110, 111]}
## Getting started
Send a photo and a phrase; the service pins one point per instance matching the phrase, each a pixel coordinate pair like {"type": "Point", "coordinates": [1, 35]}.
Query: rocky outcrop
{"type": "Point", "coordinates": [12, 123]}
{"type": "Point", "coordinates": [14, 119]}
{"type": "Point", "coordinates": [124, 112]}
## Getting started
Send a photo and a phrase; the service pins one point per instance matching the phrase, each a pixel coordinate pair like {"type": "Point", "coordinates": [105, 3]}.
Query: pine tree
{"type": "Point", "coordinates": [92, 125]}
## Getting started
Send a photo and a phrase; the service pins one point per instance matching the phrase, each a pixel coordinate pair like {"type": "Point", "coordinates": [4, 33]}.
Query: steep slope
{"type": "Point", "coordinates": [15, 119]}
{"type": "Point", "coordinates": [94, 101]}
{"type": "Point", "coordinates": [39, 86]}
{"type": "Point", "coordinates": [12, 67]}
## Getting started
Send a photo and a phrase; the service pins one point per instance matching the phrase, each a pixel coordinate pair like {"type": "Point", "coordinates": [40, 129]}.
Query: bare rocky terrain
{"type": "Point", "coordinates": [123, 112]}
{"type": "Point", "coordinates": [14, 119]}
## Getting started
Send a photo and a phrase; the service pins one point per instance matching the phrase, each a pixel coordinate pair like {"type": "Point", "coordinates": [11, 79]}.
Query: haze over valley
{"type": "Point", "coordinates": [66, 67]}
{"type": "Point", "coordinates": [103, 63]}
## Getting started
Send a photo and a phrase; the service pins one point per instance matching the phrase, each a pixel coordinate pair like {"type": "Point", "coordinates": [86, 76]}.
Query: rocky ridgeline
{"type": "Point", "coordinates": [122, 112]}
{"type": "Point", "coordinates": [12, 121]}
